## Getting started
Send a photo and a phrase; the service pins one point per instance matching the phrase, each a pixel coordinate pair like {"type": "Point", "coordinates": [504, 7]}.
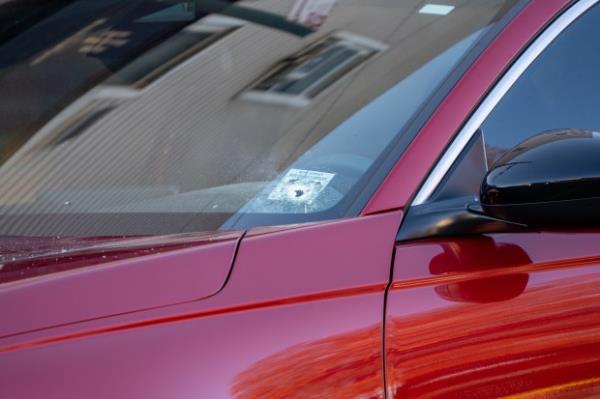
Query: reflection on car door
{"type": "Point", "coordinates": [506, 314]}
{"type": "Point", "coordinates": [495, 315]}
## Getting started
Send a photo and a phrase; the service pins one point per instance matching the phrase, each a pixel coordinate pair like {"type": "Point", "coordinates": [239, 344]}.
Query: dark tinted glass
{"type": "Point", "coordinates": [559, 90]}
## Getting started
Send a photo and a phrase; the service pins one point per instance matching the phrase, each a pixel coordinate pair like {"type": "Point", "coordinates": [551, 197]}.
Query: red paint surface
{"type": "Point", "coordinates": [29, 257]}
{"type": "Point", "coordinates": [89, 283]}
{"type": "Point", "coordinates": [509, 314]}
{"type": "Point", "coordinates": [284, 326]}
{"type": "Point", "coordinates": [420, 157]}
{"type": "Point", "coordinates": [301, 312]}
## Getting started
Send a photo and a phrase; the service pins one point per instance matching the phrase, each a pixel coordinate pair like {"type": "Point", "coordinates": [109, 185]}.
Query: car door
{"type": "Point", "coordinates": [502, 312]}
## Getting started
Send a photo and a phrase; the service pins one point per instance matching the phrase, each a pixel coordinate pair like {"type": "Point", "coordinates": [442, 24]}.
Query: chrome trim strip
{"type": "Point", "coordinates": [486, 107]}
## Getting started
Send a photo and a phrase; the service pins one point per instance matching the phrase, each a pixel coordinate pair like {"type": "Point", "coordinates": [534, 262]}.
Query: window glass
{"type": "Point", "coordinates": [559, 90]}
{"type": "Point", "coordinates": [164, 116]}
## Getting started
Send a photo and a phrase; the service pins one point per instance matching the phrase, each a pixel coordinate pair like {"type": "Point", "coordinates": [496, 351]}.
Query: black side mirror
{"type": "Point", "coordinates": [549, 181]}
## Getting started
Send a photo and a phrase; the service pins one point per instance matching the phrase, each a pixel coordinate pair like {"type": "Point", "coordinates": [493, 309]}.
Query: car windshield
{"type": "Point", "coordinates": [165, 116]}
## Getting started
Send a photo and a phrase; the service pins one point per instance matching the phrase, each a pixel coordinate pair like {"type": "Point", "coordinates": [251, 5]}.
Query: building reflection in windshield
{"type": "Point", "coordinates": [155, 108]}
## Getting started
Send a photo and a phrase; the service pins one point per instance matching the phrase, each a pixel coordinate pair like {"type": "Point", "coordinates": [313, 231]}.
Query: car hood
{"type": "Point", "coordinates": [47, 282]}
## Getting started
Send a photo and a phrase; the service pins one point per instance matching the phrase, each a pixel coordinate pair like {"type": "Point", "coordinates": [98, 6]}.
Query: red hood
{"type": "Point", "coordinates": [27, 257]}
{"type": "Point", "coordinates": [46, 282]}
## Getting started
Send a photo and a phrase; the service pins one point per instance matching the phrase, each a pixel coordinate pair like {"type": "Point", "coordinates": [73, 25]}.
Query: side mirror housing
{"type": "Point", "coordinates": [549, 181]}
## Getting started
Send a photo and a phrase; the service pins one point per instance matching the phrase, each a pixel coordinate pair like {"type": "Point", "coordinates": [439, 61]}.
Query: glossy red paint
{"type": "Point", "coordinates": [292, 298]}
{"type": "Point", "coordinates": [506, 314]}
{"type": "Point", "coordinates": [300, 313]}
{"type": "Point", "coordinates": [89, 283]}
{"type": "Point", "coordinates": [30, 257]}
{"type": "Point", "coordinates": [412, 168]}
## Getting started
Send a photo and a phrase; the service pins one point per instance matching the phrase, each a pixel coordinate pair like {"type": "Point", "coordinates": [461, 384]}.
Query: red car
{"type": "Point", "coordinates": [299, 198]}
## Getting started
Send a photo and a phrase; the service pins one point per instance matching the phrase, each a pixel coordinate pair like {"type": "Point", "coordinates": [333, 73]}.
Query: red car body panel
{"type": "Point", "coordinates": [117, 287]}
{"type": "Point", "coordinates": [290, 297]}
{"type": "Point", "coordinates": [496, 315]}
{"type": "Point", "coordinates": [301, 312]}
{"type": "Point", "coordinates": [412, 168]}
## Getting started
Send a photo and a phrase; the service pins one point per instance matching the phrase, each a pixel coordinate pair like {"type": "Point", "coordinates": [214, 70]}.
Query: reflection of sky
{"type": "Point", "coordinates": [371, 129]}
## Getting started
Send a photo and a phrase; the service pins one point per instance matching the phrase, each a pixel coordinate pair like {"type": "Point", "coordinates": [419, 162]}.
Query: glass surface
{"type": "Point", "coordinates": [165, 116]}
{"type": "Point", "coordinates": [559, 90]}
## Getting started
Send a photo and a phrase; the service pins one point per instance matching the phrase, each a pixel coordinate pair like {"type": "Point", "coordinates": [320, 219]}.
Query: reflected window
{"type": "Point", "coordinates": [165, 116]}
{"type": "Point", "coordinates": [303, 76]}
{"type": "Point", "coordinates": [185, 44]}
